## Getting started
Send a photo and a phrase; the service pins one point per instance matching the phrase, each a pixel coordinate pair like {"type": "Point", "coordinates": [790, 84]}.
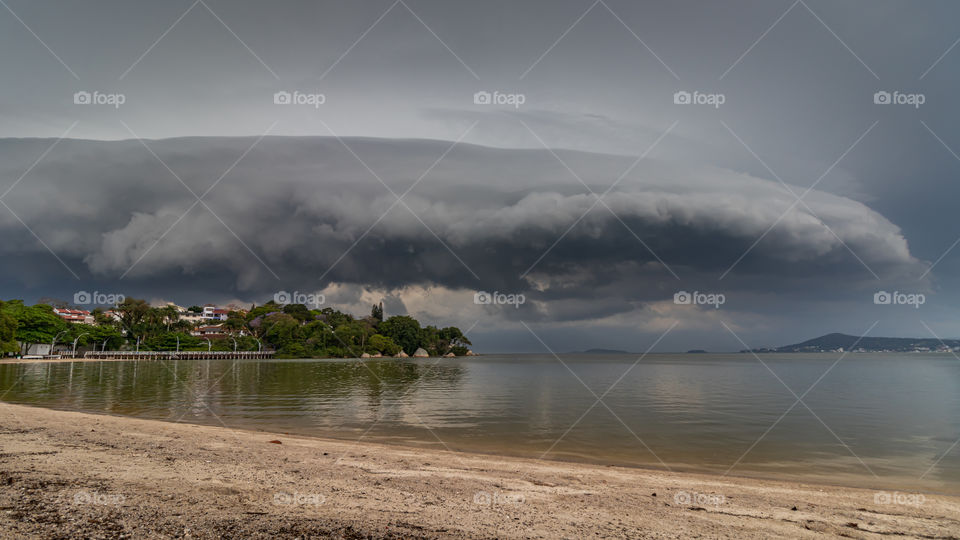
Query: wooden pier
{"type": "Point", "coordinates": [182, 355]}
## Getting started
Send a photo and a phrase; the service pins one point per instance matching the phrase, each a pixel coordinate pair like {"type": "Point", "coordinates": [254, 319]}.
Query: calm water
{"type": "Point", "coordinates": [877, 420]}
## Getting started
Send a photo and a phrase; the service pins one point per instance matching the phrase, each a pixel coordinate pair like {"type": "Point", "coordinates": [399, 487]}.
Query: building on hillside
{"type": "Point", "coordinates": [213, 331]}
{"type": "Point", "coordinates": [213, 313]}
{"type": "Point", "coordinates": [75, 316]}
{"type": "Point", "coordinates": [192, 318]}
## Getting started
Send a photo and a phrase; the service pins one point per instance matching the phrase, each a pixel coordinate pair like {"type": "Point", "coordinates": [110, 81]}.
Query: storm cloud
{"type": "Point", "coordinates": [302, 213]}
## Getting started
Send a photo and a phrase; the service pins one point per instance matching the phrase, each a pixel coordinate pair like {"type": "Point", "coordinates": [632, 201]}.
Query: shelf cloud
{"type": "Point", "coordinates": [568, 229]}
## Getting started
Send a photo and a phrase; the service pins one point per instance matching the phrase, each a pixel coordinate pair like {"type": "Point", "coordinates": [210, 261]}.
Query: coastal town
{"type": "Point", "coordinates": [137, 329]}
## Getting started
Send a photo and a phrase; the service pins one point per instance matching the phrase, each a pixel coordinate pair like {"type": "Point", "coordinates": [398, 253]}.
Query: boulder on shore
{"type": "Point", "coordinates": [364, 355]}
{"type": "Point", "coordinates": [471, 353]}
{"type": "Point", "coordinates": [421, 353]}
{"type": "Point", "coordinates": [449, 355]}
{"type": "Point", "coordinates": [377, 355]}
{"type": "Point", "coordinates": [401, 354]}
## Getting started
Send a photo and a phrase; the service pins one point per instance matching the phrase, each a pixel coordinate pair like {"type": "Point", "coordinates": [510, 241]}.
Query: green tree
{"type": "Point", "coordinates": [35, 324]}
{"type": "Point", "coordinates": [403, 330]}
{"type": "Point", "coordinates": [281, 330]}
{"type": "Point", "coordinates": [377, 312]}
{"type": "Point", "coordinates": [8, 332]}
{"type": "Point", "coordinates": [382, 344]}
{"type": "Point", "coordinates": [298, 312]}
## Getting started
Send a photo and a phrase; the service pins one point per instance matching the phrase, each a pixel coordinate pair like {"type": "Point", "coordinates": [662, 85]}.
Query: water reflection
{"type": "Point", "coordinates": [880, 420]}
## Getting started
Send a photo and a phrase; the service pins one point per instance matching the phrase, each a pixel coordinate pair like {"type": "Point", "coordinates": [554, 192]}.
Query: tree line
{"type": "Point", "coordinates": [293, 330]}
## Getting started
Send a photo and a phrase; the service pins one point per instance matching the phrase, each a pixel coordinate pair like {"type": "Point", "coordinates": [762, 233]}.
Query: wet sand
{"type": "Point", "coordinates": [68, 474]}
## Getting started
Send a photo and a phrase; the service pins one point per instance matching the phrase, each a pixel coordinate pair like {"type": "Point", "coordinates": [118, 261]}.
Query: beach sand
{"type": "Point", "coordinates": [76, 475]}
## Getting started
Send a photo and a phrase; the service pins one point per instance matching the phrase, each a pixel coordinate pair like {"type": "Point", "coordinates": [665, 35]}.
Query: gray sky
{"type": "Point", "coordinates": [598, 80]}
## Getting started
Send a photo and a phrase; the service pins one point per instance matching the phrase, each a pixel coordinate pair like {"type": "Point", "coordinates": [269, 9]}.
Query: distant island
{"type": "Point", "coordinates": [837, 342]}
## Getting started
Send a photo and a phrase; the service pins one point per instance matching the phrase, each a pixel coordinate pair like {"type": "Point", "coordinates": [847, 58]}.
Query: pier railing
{"type": "Point", "coordinates": [181, 355]}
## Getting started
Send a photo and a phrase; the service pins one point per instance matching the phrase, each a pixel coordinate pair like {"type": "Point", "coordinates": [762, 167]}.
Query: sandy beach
{"type": "Point", "coordinates": [69, 474]}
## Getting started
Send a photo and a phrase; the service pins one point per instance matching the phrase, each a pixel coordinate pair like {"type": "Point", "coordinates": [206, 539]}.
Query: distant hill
{"type": "Point", "coordinates": [836, 341]}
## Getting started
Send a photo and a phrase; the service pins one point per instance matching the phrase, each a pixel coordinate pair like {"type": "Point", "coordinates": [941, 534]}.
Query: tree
{"type": "Point", "coordinates": [382, 344]}
{"type": "Point", "coordinates": [281, 329]}
{"type": "Point", "coordinates": [8, 332]}
{"type": "Point", "coordinates": [234, 323]}
{"type": "Point", "coordinates": [377, 312]}
{"type": "Point", "coordinates": [298, 312]}
{"type": "Point", "coordinates": [35, 324]}
{"type": "Point", "coordinates": [403, 330]}
{"type": "Point", "coordinates": [135, 315]}
{"type": "Point", "coordinates": [170, 315]}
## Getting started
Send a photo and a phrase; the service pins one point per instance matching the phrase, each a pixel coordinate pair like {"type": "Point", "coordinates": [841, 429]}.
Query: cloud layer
{"type": "Point", "coordinates": [307, 212]}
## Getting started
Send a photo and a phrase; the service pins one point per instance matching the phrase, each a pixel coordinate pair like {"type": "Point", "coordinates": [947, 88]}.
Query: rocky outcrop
{"type": "Point", "coordinates": [377, 355]}
{"type": "Point", "coordinates": [364, 355]}
{"type": "Point", "coordinates": [449, 355]}
{"type": "Point", "coordinates": [401, 354]}
{"type": "Point", "coordinates": [471, 353]}
{"type": "Point", "coordinates": [421, 353]}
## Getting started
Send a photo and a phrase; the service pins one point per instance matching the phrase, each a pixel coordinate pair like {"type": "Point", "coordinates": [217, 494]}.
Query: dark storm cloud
{"type": "Point", "coordinates": [115, 214]}
{"type": "Point", "coordinates": [795, 102]}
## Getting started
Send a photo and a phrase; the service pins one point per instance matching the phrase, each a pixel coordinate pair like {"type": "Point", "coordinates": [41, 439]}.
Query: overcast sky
{"type": "Point", "coordinates": [502, 196]}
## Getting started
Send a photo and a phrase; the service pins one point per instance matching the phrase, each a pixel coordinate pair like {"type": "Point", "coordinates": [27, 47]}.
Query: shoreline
{"type": "Point", "coordinates": [854, 482]}
{"type": "Point", "coordinates": [80, 474]}
{"type": "Point", "coordinates": [792, 474]}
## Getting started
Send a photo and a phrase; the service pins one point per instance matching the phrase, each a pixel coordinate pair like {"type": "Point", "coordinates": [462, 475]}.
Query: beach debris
{"type": "Point", "coordinates": [274, 442]}
{"type": "Point", "coordinates": [794, 509]}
